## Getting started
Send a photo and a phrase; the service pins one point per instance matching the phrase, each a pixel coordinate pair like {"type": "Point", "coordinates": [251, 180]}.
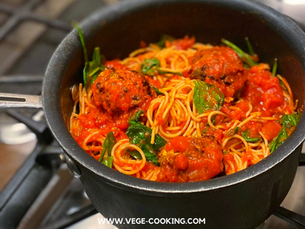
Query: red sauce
{"type": "Point", "coordinates": [194, 160]}
{"type": "Point", "coordinates": [178, 144]}
{"type": "Point", "coordinates": [249, 158]}
{"type": "Point", "coordinates": [229, 159]}
{"type": "Point", "coordinates": [271, 129]}
{"type": "Point", "coordinates": [252, 129]}
{"type": "Point", "coordinates": [234, 114]}
{"type": "Point", "coordinates": [181, 44]}
{"type": "Point", "coordinates": [155, 83]}
{"type": "Point", "coordinates": [263, 91]}
{"type": "Point", "coordinates": [244, 108]}
{"type": "Point", "coordinates": [115, 64]}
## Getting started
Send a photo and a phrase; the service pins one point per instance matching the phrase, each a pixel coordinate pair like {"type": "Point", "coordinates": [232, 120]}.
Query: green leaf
{"type": "Point", "coordinates": [287, 122]}
{"type": "Point", "coordinates": [150, 66]}
{"type": "Point", "coordinates": [251, 51]}
{"type": "Point", "coordinates": [247, 138]}
{"type": "Point", "coordinates": [277, 141]}
{"type": "Point", "coordinates": [141, 135]}
{"type": "Point", "coordinates": [151, 157]}
{"type": "Point", "coordinates": [93, 68]}
{"type": "Point", "coordinates": [135, 154]}
{"type": "Point", "coordinates": [108, 161]}
{"type": "Point", "coordinates": [136, 116]}
{"type": "Point", "coordinates": [163, 39]}
{"type": "Point", "coordinates": [240, 53]}
{"type": "Point", "coordinates": [85, 74]}
{"type": "Point", "coordinates": [274, 67]}
{"type": "Point", "coordinates": [157, 91]}
{"type": "Point", "coordinates": [207, 97]}
{"type": "Point", "coordinates": [82, 40]}
{"type": "Point", "coordinates": [236, 129]}
{"type": "Point", "coordinates": [205, 129]}
{"type": "Point", "coordinates": [213, 119]}
{"type": "Point", "coordinates": [231, 132]}
{"type": "Point", "coordinates": [108, 144]}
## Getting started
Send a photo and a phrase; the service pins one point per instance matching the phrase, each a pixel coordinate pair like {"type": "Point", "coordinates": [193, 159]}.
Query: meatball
{"type": "Point", "coordinates": [121, 90]}
{"type": "Point", "coordinates": [190, 159]}
{"type": "Point", "coordinates": [220, 66]}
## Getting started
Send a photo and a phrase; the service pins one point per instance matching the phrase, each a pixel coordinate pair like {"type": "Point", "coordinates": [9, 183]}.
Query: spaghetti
{"type": "Point", "coordinates": [182, 111]}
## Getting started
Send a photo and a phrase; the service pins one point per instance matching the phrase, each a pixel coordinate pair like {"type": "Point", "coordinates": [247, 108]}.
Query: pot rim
{"type": "Point", "coordinates": [59, 61]}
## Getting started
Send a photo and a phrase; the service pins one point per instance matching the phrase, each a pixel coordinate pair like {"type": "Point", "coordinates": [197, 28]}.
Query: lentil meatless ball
{"type": "Point", "coordinates": [220, 66]}
{"type": "Point", "coordinates": [191, 159]}
{"type": "Point", "coordinates": [121, 90]}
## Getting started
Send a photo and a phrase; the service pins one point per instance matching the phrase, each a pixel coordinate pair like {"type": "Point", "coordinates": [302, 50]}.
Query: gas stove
{"type": "Point", "coordinates": [36, 188]}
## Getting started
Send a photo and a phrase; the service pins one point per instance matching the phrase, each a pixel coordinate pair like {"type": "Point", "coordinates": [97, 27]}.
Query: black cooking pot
{"type": "Point", "coordinates": [242, 200]}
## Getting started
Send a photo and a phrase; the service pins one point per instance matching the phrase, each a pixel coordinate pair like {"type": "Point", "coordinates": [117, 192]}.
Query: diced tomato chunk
{"type": "Point", "coordinates": [271, 129]}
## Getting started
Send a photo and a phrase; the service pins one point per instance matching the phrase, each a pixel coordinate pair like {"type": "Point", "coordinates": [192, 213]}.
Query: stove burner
{"type": "Point", "coordinates": [15, 134]}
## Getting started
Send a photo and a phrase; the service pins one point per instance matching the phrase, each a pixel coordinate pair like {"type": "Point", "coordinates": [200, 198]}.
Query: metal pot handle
{"type": "Point", "coordinates": [9, 100]}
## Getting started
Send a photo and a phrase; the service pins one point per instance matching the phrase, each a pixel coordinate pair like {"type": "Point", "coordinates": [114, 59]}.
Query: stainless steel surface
{"type": "Point", "coordinates": [16, 134]}
{"type": "Point", "coordinates": [9, 100]}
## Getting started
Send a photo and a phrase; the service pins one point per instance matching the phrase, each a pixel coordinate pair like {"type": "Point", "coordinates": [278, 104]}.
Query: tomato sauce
{"type": "Point", "coordinates": [194, 159]}
{"type": "Point", "coordinates": [263, 91]}
{"type": "Point", "coordinates": [271, 129]}
{"type": "Point", "coordinates": [118, 92]}
{"type": "Point", "coordinates": [181, 44]}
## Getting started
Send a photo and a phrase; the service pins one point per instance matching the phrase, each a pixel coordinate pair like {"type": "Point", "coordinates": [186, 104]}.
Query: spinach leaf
{"type": "Point", "coordinates": [157, 91]}
{"type": "Point", "coordinates": [274, 67]}
{"type": "Point", "coordinates": [213, 119]}
{"type": "Point", "coordinates": [247, 137]}
{"type": "Point", "coordinates": [288, 122]}
{"type": "Point", "coordinates": [108, 144]}
{"type": "Point", "coordinates": [136, 116]}
{"type": "Point", "coordinates": [82, 40]}
{"type": "Point", "coordinates": [236, 129]}
{"type": "Point", "coordinates": [163, 39]}
{"type": "Point", "coordinates": [207, 97]}
{"type": "Point", "coordinates": [135, 154]}
{"type": "Point", "coordinates": [92, 68]}
{"type": "Point", "coordinates": [150, 156]}
{"type": "Point", "coordinates": [250, 48]}
{"type": "Point", "coordinates": [108, 161]}
{"type": "Point", "coordinates": [277, 141]}
{"type": "Point", "coordinates": [151, 67]}
{"type": "Point", "coordinates": [240, 53]}
{"type": "Point", "coordinates": [141, 135]}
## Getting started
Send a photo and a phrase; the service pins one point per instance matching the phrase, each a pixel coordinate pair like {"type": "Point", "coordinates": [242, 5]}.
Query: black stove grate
{"type": "Point", "coordinates": [24, 13]}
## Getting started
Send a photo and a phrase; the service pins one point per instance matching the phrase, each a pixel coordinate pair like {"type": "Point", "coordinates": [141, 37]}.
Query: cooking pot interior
{"type": "Point", "coordinates": [121, 31]}
{"type": "Point", "coordinates": [118, 32]}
